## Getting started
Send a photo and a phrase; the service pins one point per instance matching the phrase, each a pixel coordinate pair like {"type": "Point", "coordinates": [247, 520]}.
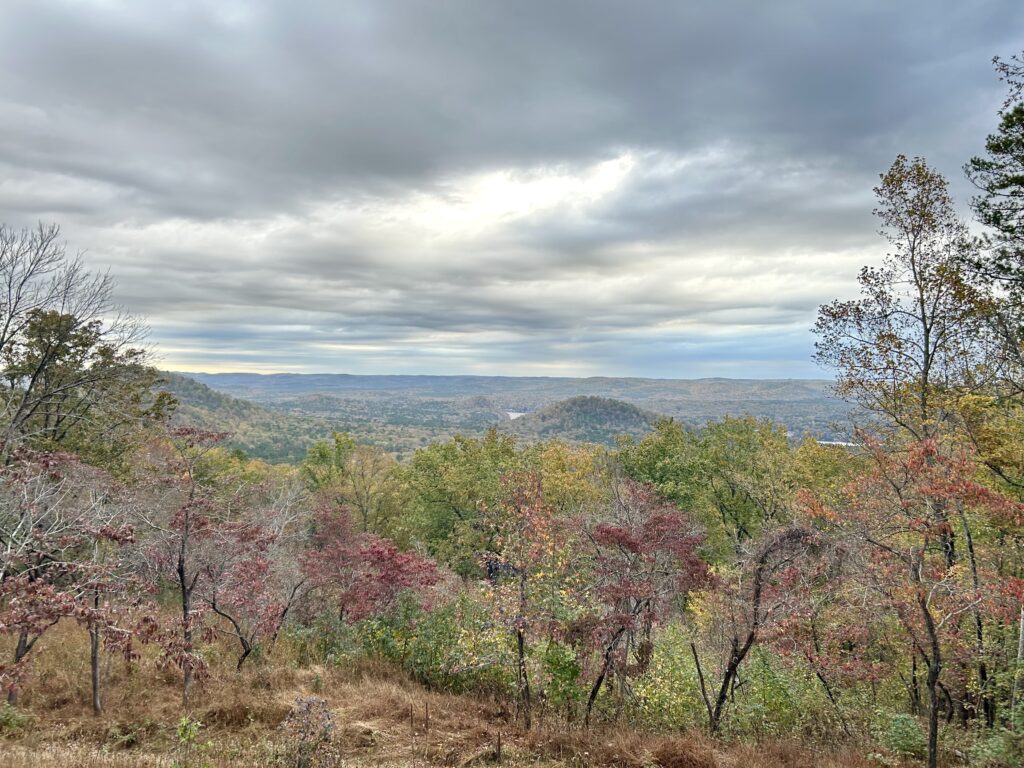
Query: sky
{"type": "Point", "coordinates": [528, 187]}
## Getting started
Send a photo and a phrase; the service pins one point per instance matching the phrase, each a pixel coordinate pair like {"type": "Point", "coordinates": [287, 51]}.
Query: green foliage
{"type": "Point", "coordinates": [75, 384]}
{"type": "Point", "coordinates": [668, 694]}
{"type": "Point", "coordinates": [13, 719]}
{"type": "Point", "coordinates": [561, 671]}
{"type": "Point", "coordinates": [736, 476]}
{"type": "Point", "coordinates": [326, 640]}
{"type": "Point", "coordinates": [360, 478]}
{"type": "Point", "coordinates": [454, 647]}
{"type": "Point", "coordinates": [667, 458]}
{"type": "Point", "coordinates": [901, 733]}
{"type": "Point", "coordinates": [780, 701]}
{"type": "Point", "coordinates": [446, 484]}
{"type": "Point", "coordinates": [746, 471]}
{"type": "Point", "coordinates": [775, 700]}
{"type": "Point", "coordinates": [999, 175]}
{"type": "Point", "coordinates": [585, 419]}
{"type": "Point", "coordinates": [326, 462]}
{"type": "Point", "coordinates": [1001, 747]}
{"type": "Point", "coordinates": [190, 749]}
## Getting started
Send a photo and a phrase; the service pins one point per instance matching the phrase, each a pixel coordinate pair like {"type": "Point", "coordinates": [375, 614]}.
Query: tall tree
{"type": "Point", "coordinates": [892, 517]}
{"type": "Point", "coordinates": [446, 484]}
{"type": "Point", "coordinates": [181, 514]}
{"type": "Point", "coordinates": [75, 373]}
{"type": "Point", "coordinates": [999, 206]}
{"type": "Point", "coordinates": [362, 478]}
{"type": "Point", "coordinates": [999, 176]}
{"type": "Point", "coordinates": [916, 333]}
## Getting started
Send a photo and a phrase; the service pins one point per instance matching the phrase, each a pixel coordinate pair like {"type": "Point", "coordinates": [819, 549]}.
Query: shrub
{"type": "Point", "coordinates": [454, 647]}
{"type": "Point", "coordinates": [902, 734]}
{"type": "Point", "coordinates": [1003, 747]}
{"type": "Point", "coordinates": [189, 748]}
{"type": "Point", "coordinates": [13, 719]}
{"type": "Point", "coordinates": [307, 731]}
{"type": "Point", "coordinates": [562, 674]}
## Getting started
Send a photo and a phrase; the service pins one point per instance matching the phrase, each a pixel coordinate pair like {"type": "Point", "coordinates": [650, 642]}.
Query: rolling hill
{"type": "Point", "coordinates": [265, 433]}
{"type": "Point", "coordinates": [584, 418]}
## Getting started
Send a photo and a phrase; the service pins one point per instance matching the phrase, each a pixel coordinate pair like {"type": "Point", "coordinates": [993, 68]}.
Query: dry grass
{"type": "Point", "coordinates": [382, 719]}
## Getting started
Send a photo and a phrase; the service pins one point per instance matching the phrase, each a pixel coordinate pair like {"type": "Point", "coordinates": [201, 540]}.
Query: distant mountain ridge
{"type": "Point", "coordinates": [404, 412]}
{"type": "Point", "coordinates": [281, 384]}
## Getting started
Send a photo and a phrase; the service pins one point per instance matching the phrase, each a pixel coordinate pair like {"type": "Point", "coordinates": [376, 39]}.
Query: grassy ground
{"type": "Point", "coordinates": [380, 719]}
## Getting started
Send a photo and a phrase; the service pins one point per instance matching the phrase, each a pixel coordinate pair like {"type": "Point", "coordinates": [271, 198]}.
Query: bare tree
{"type": "Point", "coordinates": [71, 357]}
{"type": "Point", "coordinates": [57, 518]}
{"type": "Point", "coordinates": [763, 594]}
{"type": "Point", "coordinates": [180, 511]}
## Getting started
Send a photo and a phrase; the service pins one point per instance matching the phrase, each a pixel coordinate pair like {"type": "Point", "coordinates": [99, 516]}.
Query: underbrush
{"type": "Point", "coordinates": [389, 700]}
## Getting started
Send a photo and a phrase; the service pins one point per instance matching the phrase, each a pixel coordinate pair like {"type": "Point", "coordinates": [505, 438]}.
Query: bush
{"type": "Point", "coordinates": [1003, 747]}
{"type": "Point", "coordinates": [455, 647]}
{"type": "Point", "coordinates": [327, 641]}
{"type": "Point", "coordinates": [13, 719]}
{"type": "Point", "coordinates": [668, 694]}
{"type": "Point", "coordinates": [562, 673]}
{"type": "Point", "coordinates": [307, 731]}
{"type": "Point", "coordinates": [902, 734]}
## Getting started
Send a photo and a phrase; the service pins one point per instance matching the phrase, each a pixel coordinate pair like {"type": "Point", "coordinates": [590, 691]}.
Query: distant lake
{"type": "Point", "coordinates": [515, 414]}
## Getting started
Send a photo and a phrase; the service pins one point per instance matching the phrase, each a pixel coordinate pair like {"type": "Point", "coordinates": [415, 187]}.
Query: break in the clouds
{"type": "Point", "coordinates": [566, 187]}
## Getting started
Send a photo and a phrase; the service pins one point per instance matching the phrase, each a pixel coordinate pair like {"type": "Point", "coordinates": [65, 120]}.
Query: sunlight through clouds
{"type": "Point", "coordinates": [620, 189]}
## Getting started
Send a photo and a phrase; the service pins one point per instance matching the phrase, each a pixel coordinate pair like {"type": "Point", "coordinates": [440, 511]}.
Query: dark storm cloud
{"type": "Point", "coordinates": [602, 186]}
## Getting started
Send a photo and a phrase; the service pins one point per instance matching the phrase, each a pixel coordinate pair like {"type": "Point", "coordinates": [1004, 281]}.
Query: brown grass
{"type": "Point", "coordinates": [381, 717]}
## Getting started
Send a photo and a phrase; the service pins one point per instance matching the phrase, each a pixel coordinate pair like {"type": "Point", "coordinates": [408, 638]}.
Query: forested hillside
{"type": "Point", "coordinates": [586, 419]}
{"type": "Point", "coordinates": [270, 435]}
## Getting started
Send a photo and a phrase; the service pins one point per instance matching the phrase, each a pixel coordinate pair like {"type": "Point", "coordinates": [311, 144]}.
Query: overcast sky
{"type": "Point", "coordinates": [558, 187]}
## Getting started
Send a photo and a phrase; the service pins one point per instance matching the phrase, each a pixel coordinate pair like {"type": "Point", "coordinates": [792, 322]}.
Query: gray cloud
{"type": "Point", "coordinates": [654, 188]}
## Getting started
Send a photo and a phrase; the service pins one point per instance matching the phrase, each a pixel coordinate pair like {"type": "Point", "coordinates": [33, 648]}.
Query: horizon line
{"type": "Point", "coordinates": [488, 376]}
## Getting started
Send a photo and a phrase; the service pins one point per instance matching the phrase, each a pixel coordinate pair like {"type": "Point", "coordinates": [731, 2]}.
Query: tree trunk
{"type": "Point", "coordinates": [94, 668]}
{"type": "Point", "coordinates": [934, 660]}
{"type": "Point", "coordinates": [735, 659]}
{"type": "Point", "coordinates": [186, 636]}
{"type": "Point", "coordinates": [524, 680]}
{"type": "Point", "coordinates": [20, 652]}
{"type": "Point", "coordinates": [596, 688]}
{"type": "Point", "coordinates": [933, 715]}
{"type": "Point", "coordinates": [1015, 692]}
{"type": "Point", "coordinates": [246, 650]}
{"type": "Point", "coordinates": [523, 674]}
{"type": "Point", "coordinates": [915, 690]}
{"type": "Point", "coordinates": [186, 606]}
{"type": "Point", "coordinates": [988, 702]}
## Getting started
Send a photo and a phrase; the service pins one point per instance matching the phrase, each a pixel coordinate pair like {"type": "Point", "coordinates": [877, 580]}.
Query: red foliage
{"type": "Point", "coordinates": [645, 558]}
{"type": "Point", "coordinates": [361, 574]}
{"type": "Point", "coordinates": [64, 526]}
